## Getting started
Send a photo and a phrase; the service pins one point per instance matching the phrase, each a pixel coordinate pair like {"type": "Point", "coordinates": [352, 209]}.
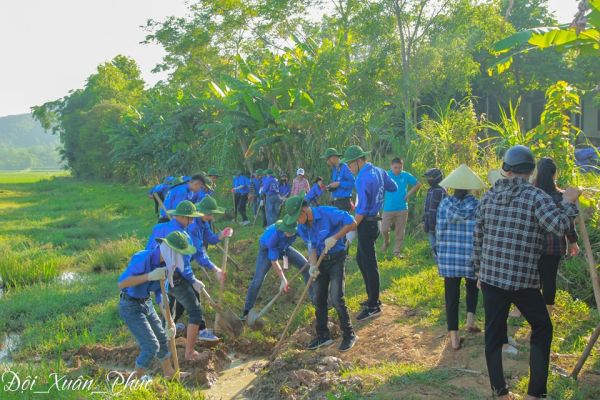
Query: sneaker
{"type": "Point", "coordinates": [365, 304]}
{"type": "Point", "coordinates": [206, 335]}
{"type": "Point", "coordinates": [509, 349]}
{"type": "Point", "coordinates": [179, 327]}
{"type": "Point", "coordinates": [348, 343]}
{"type": "Point", "coordinates": [368, 313]}
{"type": "Point", "coordinates": [244, 316]}
{"type": "Point", "coordinates": [319, 342]}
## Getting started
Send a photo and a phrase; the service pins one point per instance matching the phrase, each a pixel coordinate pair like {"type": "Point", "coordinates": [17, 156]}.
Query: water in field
{"type": "Point", "coordinates": [236, 379]}
{"type": "Point", "coordinates": [69, 277]}
{"type": "Point", "coordinates": [8, 344]}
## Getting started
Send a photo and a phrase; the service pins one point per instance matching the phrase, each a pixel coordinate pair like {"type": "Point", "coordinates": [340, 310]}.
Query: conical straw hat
{"type": "Point", "coordinates": [494, 175]}
{"type": "Point", "coordinates": [463, 178]}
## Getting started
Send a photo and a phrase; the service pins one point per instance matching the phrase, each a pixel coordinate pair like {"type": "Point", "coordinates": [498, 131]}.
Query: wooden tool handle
{"type": "Point", "coordinates": [169, 320]}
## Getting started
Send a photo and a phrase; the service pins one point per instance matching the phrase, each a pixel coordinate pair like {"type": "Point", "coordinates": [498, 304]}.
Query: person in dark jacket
{"type": "Point", "coordinates": [555, 247]}
{"type": "Point", "coordinates": [435, 195]}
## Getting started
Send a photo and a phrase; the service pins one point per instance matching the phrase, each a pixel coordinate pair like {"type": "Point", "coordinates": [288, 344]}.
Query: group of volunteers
{"type": "Point", "coordinates": [508, 244]}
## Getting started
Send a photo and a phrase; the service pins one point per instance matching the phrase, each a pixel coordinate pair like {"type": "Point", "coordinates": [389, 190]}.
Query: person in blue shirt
{"type": "Point", "coordinates": [186, 191]}
{"type": "Point", "coordinates": [312, 197]}
{"type": "Point", "coordinates": [161, 190]}
{"type": "Point", "coordinates": [324, 230]}
{"type": "Point", "coordinates": [275, 244]}
{"type": "Point", "coordinates": [142, 277]}
{"type": "Point", "coordinates": [342, 181]}
{"type": "Point", "coordinates": [395, 206]}
{"type": "Point", "coordinates": [371, 184]}
{"type": "Point", "coordinates": [284, 187]}
{"type": "Point", "coordinates": [270, 189]}
{"type": "Point", "coordinates": [241, 189]}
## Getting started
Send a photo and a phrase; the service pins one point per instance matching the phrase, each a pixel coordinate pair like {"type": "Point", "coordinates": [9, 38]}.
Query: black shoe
{"type": "Point", "coordinates": [368, 313]}
{"type": "Point", "coordinates": [348, 343]}
{"type": "Point", "coordinates": [319, 342]}
{"type": "Point", "coordinates": [244, 316]}
{"type": "Point", "coordinates": [365, 304]}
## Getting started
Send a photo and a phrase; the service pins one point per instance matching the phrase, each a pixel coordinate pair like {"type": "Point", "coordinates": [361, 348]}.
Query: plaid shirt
{"type": "Point", "coordinates": [434, 197]}
{"type": "Point", "coordinates": [557, 245]}
{"type": "Point", "coordinates": [454, 237]}
{"type": "Point", "coordinates": [512, 221]}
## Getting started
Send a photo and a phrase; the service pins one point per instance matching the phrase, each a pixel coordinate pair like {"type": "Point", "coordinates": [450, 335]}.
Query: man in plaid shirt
{"type": "Point", "coordinates": [511, 225]}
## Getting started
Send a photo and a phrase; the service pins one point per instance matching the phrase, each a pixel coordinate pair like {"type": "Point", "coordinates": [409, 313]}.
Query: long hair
{"type": "Point", "coordinates": [546, 170]}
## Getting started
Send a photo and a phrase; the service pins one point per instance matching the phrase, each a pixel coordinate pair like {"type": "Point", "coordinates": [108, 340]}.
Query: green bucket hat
{"type": "Point", "coordinates": [293, 206]}
{"type": "Point", "coordinates": [330, 152]}
{"type": "Point", "coordinates": [208, 205]}
{"type": "Point", "coordinates": [268, 172]}
{"type": "Point", "coordinates": [179, 242]}
{"type": "Point", "coordinates": [353, 153]}
{"type": "Point", "coordinates": [213, 172]}
{"type": "Point", "coordinates": [286, 225]}
{"type": "Point", "coordinates": [259, 172]}
{"type": "Point", "coordinates": [185, 209]}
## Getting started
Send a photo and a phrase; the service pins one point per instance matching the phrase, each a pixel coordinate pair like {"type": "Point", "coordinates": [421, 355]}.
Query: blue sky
{"type": "Point", "coordinates": [49, 47]}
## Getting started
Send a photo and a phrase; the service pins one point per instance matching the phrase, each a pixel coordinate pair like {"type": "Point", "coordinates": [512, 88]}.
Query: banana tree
{"type": "Point", "coordinates": [583, 34]}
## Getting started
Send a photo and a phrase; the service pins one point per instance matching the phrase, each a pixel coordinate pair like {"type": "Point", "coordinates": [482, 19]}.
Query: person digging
{"type": "Point", "coordinates": [275, 244]}
{"type": "Point", "coordinates": [324, 230]}
{"type": "Point", "coordinates": [181, 218]}
{"type": "Point", "coordinates": [142, 277]}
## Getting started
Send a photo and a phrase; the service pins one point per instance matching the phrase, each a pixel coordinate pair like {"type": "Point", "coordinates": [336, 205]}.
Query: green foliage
{"type": "Point", "coordinates": [112, 255]}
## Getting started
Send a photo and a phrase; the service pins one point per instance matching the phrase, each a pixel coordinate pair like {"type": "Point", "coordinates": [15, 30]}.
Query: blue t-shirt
{"type": "Point", "coordinates": [276, 242]}
{"type": "Point", "coordinates": [327, 221]}
{"type": "Point", "coordinates": [371, 184]}
{"type": "Point", "coordinates": [176, 196]}
{"type": "Point", "coordinates": [243, 183]}
{"type": "Point", "coordinates": [141, 263]}
{"type": "Point", "coordinates": [394, 201]}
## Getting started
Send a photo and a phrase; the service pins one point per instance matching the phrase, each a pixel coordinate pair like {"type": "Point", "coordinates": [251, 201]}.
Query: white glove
{"type": "Point", "coordinates": [284, 286]}
{"type": "Point", "coordinates": [350, 236]}
{"type": "Point", "coordinates": [313, 271]}
{"type": "Point", "coordinates": [286, 262]}
{"type": "Point", "coordinates": [198, 286]}
{"type": "Point", "coordinates": [157, 274]}
{"type": "Point", "coordinates": [329, 243]}
{"type": "Point", "coordinates": [170, 331]}
{"type": "Point", "coordinates": [227, 232]}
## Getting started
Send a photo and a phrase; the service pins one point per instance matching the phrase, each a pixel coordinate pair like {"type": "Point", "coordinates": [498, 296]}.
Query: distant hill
{"type": "Point", "coordinates": [24, 144]}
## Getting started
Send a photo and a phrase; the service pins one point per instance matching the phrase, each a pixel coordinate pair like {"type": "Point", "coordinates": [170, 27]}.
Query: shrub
{"type": "Point", "coordinates": [113, 255]}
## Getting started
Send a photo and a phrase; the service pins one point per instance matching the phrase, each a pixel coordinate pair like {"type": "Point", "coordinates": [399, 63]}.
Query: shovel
{"type": "Point", "coordinates": [289, 323]}
{"type": "Point", "coordinates": [172, 345]}
{"type": "Point", "coordinates": [254, 317]}
{"type": "Point", "coordinates": [227, 321]}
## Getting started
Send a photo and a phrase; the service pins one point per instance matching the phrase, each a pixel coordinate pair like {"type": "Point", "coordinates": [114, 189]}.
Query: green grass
{"type": "Point", "coordinates": [53, 224]}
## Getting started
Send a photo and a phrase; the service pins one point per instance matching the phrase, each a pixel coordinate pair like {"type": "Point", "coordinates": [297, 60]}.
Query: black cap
{"type": "Point", "coordinates": [518, 159]}
{"type": "Point", "coordinates": [434, 176]}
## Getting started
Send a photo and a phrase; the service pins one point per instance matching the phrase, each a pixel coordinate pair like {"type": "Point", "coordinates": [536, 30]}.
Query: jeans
{"type": "Point", "coordinates": [343, 203]}
{"type": "Point", "coordinates": [272, 208]}
{"type": "Point", "coordinates": [263, 265]}
{"type": "Point", "coordinates": [145, 326]}
{"type": "Point", "coordinates": [548, 268]}
{"type": "Point", "coordinates": [432, 241]}
{"type": "Point", "coordinates": [530, 302]}
{"type": "Point", "coordinates": [368, 232]}
{"type": "Point", "coordinates": [240, 205]}
{"type": "Point", "coordinates": [330, 282]}
{"type": "Point", "coordinates": [185, 295]}
{"type": "Point", "coordinates": [452, 294]}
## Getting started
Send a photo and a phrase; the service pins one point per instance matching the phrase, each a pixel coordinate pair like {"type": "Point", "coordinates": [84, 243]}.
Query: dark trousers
{"type": "Point", "coordinates": [530, 302]}
{"type": "Point", "coordinates": [240, 204]}
{"type": "Point", "coordinates": [183, 297]}
{"type": "Point", "coordinates": [343, 203]}
{"type": "Point", "coordinates": [548, 268]}
{"type": "Point", "coordinates": [368, 232]}
{"type": "Point", "coordinates": [452, 294]}
{"type": "Point", "coordinates": [331, 282]}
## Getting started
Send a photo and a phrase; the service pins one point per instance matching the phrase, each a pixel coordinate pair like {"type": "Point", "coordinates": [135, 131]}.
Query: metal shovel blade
{"type": "Point", "coordinates": [253, 320]}
{"type": "Point", "coordinates": [227, 321]}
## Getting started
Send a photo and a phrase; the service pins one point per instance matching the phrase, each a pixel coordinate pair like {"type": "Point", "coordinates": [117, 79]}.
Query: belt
{"type": "Point", "coordinates": [335, 256]}
{"type": "Point", "coordinates": [372, 218]}
{"type": "Point", "coordinates": [125, 296]}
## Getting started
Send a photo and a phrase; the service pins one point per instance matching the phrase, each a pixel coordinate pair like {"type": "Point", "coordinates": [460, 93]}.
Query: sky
{"type": "Point", "coordinates": [49, 47]}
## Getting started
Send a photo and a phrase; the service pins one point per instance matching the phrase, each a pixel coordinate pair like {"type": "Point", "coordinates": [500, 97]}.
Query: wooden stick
{"type": "Point", "coordinates": [169, 320]}
{"type": "Point", "coordinates": [586, 353]}
{"type": "Point", "coordinates": [222, 282]}
{"type": "Point", "coordinates": [298, 305]}
{"type": "Point", "coordinates": [589, 257]}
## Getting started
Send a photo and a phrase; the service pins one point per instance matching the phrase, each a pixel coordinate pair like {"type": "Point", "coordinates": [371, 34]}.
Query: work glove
{"type": "Point", "coordinates": [313, 271]}
{"type": "Point", "coordinates": [220, 275]}
{"type": "Point", "coordinates": [350, 236]}
{"type": "Point", "coordinates": [329, 243]}
{"type": "Point", "coordinates": [171, 330]}
{"type": "Point", "coordinates": [157, 274]}
{"type": "Point", "coordinates": [227, 232]}
{"type": "Point", "coordinates": [286, 262]}
{"type": "Point", "coordinates": [198, 286]}
{"type": "Point", "coordinates": [284, 285]}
